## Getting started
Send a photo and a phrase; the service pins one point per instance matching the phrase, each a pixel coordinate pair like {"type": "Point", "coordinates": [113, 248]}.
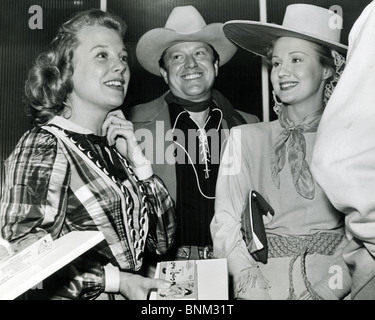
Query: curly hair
{"type": "Point", "coordinates": [49, 79]}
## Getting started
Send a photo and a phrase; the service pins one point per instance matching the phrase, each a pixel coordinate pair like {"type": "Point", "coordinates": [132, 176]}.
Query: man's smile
{"type": "Point", "coordinates": [192, 76]}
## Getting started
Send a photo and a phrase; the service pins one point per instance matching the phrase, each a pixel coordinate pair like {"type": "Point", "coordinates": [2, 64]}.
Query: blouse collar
{"type": "Point", "coordinates": [69, 125]}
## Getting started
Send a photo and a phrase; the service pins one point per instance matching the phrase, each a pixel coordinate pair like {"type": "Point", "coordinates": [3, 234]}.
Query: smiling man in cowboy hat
{"type": "Point", "coordinates": [187, 54]}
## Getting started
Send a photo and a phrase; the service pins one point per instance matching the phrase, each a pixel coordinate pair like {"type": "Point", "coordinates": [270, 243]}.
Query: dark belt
{"type": "Point", "coordinates": [194, 252]}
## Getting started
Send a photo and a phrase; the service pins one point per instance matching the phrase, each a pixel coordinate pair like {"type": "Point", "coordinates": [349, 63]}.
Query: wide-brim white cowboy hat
{"type": "Point", "coordinates": [184, 24]}
{"type": "Point", "coordinates": [302, 21]}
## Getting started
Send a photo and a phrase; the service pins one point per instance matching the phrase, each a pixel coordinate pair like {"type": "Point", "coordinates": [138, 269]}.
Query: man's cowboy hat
{"type": "Point", "coordinates": [302, 21]}
{"type": "Point", "coordinates": [184, 24]}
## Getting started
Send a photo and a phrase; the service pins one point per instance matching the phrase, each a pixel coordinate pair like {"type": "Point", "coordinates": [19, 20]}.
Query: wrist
{"type": "Point", "coordinates": [143, 172]}
{"type": "Point", "coordinates": [136, 156]}
{"type": "Point", "coordinates": [112, 279]}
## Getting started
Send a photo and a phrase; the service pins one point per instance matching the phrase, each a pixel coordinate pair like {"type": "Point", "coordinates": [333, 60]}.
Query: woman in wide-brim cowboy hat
{"type": "Point", "coordinates": [298, 252]}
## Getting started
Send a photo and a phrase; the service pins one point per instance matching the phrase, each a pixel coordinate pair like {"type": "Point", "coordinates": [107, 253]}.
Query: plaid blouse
{"type": "Point", "coordinates": [56, 186]}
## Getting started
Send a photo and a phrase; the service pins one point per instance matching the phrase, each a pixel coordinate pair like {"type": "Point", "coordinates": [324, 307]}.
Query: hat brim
{"type": "Point", "coordinates": [256, 36]}
{"type": "Point", "coordinates": [152, 44]}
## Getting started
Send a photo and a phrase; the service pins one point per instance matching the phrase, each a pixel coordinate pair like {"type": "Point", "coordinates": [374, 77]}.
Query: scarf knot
{"type": "Point", "coordinates": [295, 152]}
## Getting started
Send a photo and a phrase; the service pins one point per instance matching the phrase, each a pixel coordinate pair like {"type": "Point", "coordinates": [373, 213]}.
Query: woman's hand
{"type": "Point", "coordinates": [120, 133]}
{"type": "Point", "coordinates": [136, 287]}
{"type": "Point", "coordinates": [267, 218]}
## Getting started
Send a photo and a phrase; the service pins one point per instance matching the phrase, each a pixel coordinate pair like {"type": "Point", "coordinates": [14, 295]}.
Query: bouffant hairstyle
{"type": "Point", "coordinates": [49, 79]}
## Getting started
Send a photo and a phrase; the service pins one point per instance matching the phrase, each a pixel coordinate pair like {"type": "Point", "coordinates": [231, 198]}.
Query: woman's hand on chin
{"type": "Point", "coordinates": [120, 134]}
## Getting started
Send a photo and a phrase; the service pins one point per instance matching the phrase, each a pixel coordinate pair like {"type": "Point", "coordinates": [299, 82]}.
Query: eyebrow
{"type": "Point", "coordinates": [298, 52]}
{"type": "Point", "coordinates": [198, 47]}
{"type": "Point", "coordinates": [105, 46]}
{"type": "Point", "coordinates": [274, 56]}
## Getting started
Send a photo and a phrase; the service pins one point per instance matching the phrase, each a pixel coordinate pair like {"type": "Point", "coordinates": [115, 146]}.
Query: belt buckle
{"type": "Point", "coordinates": [206, 251]}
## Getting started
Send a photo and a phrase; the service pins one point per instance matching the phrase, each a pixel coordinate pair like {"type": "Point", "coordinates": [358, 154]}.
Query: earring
{"type": "Point", "coordinates": [66, 110]}
{"type": "Point", "coordinates": [278, 104]}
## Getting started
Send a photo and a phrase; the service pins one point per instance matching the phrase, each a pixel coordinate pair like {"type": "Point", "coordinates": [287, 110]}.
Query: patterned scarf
{"type": "Point", "coordinates": [296, 149]}
{"type": "Point", "coordinates": [113, 163]}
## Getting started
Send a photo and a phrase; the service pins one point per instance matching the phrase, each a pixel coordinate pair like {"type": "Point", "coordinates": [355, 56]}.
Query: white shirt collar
{"type": "Point", "coordinates": [69, 125]}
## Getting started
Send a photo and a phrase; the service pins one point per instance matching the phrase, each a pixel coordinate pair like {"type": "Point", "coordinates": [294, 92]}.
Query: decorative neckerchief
{"type": "Point", "coordinates": [113, 163]}
{"type": "Point", "coordinates": [302, 177]}
{"type": "Point", "coordinates": [190, 106]}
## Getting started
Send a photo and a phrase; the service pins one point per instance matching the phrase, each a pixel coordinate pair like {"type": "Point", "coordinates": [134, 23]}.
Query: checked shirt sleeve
{"type": "Point", "coordinates": [162, 215]}
{"type": "Point", "coordinates": [34, 203]}
{"type": "Point", "coordinates": [34, 193]}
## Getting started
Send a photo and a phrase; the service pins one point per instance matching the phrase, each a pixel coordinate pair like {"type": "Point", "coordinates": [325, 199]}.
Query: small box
{"type": "Point", "coordinates": [183, 275]}
{"type": "Point", "coordinates": [193, 280]}
{"type": "Point", "coordinates": [20, 260]}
